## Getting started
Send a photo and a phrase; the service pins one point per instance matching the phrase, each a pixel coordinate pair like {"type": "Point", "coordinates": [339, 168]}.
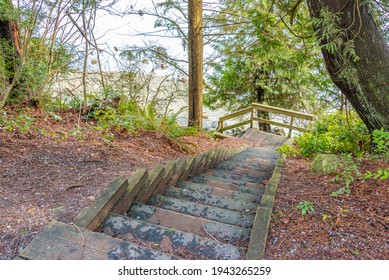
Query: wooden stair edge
{"type": "Point", "coordinates": [258, 239]}
{"type": "Point", "coordinates": [121, 192]}
{"type": "Point", "coordinates": [60, 241]}
{"type": "Point", "coordinates": [167, 238]}
{"type": "Point", "coordinates": [92, 216]}
{"type": "Point", "coordinates": [196, 225]}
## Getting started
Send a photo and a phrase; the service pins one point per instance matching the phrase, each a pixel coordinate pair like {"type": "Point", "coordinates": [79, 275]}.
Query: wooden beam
{"type": "Point", "coordinates": [170, 168]}
{"type": "Point", "coordinates": [234, 125]}
{"type": "Point", "coordinates": [257, 244]}
{"type": "Point", "coordinates": [281, 111]}
{"type": "Point", "coordinates": [60, 241]}
{"type": "Point", "coordinates": [236, 114]}
{"type": "Point", "coordinates": [280, 124]}
{"type": "Point", "coordinates": [155, 176]}
{"type": "Point", "coordinates": [91, 217]}
{"type": "Point", "coordinates": [135, 183]}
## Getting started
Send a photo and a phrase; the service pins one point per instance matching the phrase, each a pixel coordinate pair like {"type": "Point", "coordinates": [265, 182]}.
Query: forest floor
{"type": "Point", "coordinates": [53, 175]}
{"type": "Point", "coordinates": [49, 172]}
{"type": "Point", "coordinates": [343, 227]}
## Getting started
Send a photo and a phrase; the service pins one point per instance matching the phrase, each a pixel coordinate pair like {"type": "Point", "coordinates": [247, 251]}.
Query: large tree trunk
{"type": "Point", "coordinates": [364, 81]}
{"type": "Point", "coordinates": [195, 63]}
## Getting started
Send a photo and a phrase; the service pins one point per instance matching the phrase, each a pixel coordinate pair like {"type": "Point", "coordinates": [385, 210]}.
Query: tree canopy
{"type": "Point", "coordinates": [264, 50]}
{"type": "Point", "coordinates": [261, 59]}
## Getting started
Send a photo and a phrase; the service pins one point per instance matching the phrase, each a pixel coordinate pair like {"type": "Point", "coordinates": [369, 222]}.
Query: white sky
{"type": "Point", "coordinates": [121, 32]}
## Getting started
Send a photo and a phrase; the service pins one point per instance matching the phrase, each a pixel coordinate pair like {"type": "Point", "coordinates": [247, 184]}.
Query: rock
{"type": "Point", "coordinates": [324, 163]}
{"type": "Point", "coordinates": [278, 131]}
{"type": "Point", "coordinates": [91, 198]}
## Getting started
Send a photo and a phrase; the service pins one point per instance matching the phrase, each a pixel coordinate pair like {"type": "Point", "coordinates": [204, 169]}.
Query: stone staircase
{"type": "Point", "coordinates": [262, 139]}
{"type": "Point", "coordinates": [207, 214]}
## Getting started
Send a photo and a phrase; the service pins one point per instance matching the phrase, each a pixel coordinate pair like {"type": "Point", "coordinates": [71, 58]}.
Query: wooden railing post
{"type": "Point", "coordinates": [220, 125]}
{"type": "Point", "coordinates": [252, 117]}
{"type": "Point", "coordinates": [290, 127]}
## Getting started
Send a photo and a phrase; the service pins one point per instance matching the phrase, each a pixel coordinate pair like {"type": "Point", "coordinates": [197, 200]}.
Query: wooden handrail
{"type": "Point", "coordinates": [266, 108]}
{"type": "Point", "coordinates": [276, 110]}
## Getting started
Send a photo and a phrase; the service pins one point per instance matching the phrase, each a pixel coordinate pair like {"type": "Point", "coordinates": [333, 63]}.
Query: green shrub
{"type": "Point", "coordinates": [348, 171]}
{"type": "Point", "coordinates": [335, 133]}
{"type": "Point", "coordinates": [19, 123]}
{"type": "Point", "coordinates": [123, 114]}
{"type": "Point", "coordinates": [288, 150]}
{"type": "Point", "coordinates": [381, 142]}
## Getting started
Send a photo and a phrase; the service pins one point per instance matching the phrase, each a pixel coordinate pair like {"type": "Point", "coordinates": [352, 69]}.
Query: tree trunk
{"type": "Point", "coordinates": [195, 63]}
{"type": "Point", "coordinates": [9, 34]}
{"type": "Point", "coordinates": [12, 50]}
{"type": "Point", "coordinates": [363, 81]}
{"type": "Point", "coordinates": [260, 91]}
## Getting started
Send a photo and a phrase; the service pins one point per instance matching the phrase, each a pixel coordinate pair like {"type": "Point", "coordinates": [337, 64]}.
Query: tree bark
{"type": "Point", "coordinates": [364, 81]}
{"type": "Point", "coordinates": [12, 52]}
{"type": "Point", "coordinates": [195, 63]}
{"type": "Point", "coordinates": [260, 91]}
{"type": "Point", "coordinates": [9, 32]}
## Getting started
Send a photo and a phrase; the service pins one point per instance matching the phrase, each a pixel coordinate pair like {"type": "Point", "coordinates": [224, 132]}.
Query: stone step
{"type": "Point", "coordinates": [222, 232]}
{"type": "Point", "coordinates": [250, 157]}
{"type": "Point", "coordinates": [60, 241]}
{"type": "Point", "coordinates": [258, 153]}
{"type": "Point", "coordinates": [247, 133]}
{"type": "Point", "coordinates": [239, 174]}
{"type": "Point", "coordinates": [200, 210]}
{"type": "Point", "coordinates": [224, 183]}
{"type": "Point", "coordinates": [254, 163]}
{"type": "Point", "coordinates": [221, 192]}
{"type": "Point", "coordinates": [169, 240]}
{"type": "Point", "coordinates": [225, 178]}
{"type": "Point", "coordinates": [240, 134]}
{"type": "Point", "coordinates": [253, 188]}
{"type": "Point", "coordinates": [226, 203]}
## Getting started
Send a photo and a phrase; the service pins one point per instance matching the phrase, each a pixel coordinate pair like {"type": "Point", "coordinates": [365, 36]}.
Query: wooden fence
{"type": "Point", "coordinates": [255, 107]}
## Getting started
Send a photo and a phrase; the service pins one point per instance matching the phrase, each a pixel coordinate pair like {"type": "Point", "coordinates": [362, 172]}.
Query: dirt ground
{"type": "Point", "coordinates": [348, 226]}
{"type": "Point", "coordinates": [47, 177]}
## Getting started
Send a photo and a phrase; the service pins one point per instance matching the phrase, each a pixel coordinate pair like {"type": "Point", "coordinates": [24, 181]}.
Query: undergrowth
{"type": "Point", "coordinates": [347, 136]}
{"type": "Point", "coordinates": [109, 113]}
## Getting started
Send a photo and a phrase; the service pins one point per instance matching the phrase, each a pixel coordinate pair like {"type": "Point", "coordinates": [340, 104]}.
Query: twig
{"type": "Point", "coordinates": [83, 240]}
{"type": "Point", "coordinates": [286, 236]}
{"type": "Point", "coordinates": [141, 241]}
{"type": "Point", "coordinates": [241, 232]}
{"type": "Point", "coordinates": [74, 186]}
{"type": "Point", "coordinates": [210, 235]}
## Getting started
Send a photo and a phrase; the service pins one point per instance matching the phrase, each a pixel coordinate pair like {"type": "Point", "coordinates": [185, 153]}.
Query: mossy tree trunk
{"type": "Point", "coordinates": [363, 77]}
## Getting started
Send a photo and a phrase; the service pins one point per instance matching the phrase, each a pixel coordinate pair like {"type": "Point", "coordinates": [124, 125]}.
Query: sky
{"type": "Point", "coordinates": [117, 32]}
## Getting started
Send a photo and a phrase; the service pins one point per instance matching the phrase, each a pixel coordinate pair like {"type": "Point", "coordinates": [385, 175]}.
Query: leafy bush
{"type": "Point", "coordinates": [381, 142]}
{"type": "Point", "coordinates": [288, 150]}
{"type": "Point", "coordinates": [335, 133]}
{"type": "Point", "coordinates": [116, 112]}
{"type": "Point", "coordinates": [19, 123]}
